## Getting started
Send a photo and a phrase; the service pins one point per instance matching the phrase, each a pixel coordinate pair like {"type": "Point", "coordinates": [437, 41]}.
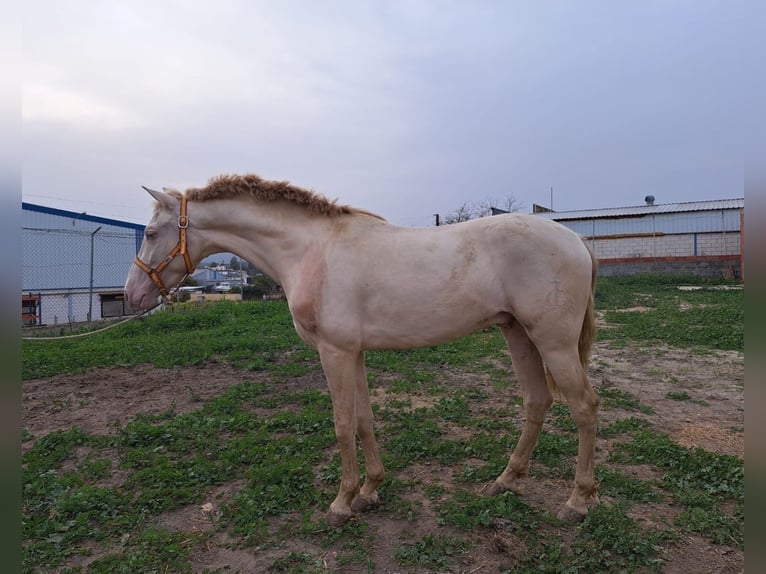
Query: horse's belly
{"type": "Point", "coordinates": [407, 329]}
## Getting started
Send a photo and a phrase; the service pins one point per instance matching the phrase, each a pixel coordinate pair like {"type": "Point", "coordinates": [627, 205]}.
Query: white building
{"type": "Point", "coordinates": [704, 238]}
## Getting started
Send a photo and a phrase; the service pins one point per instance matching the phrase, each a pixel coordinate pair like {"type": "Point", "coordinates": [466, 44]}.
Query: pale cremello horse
{"type": "Point", "coordinates": [355, 282]}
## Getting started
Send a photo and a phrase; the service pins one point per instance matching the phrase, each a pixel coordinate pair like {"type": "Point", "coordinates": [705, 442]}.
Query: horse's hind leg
{"type": "Point", "coordinates": [569, 374]}
{"type": "Point", "coordinates": [368, 495]}
{"type": "Point", "coordinates": [537, 398]}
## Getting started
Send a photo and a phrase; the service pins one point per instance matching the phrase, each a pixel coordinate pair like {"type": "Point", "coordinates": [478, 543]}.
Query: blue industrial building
{"type": "Point", "coordinates": [74, 265]}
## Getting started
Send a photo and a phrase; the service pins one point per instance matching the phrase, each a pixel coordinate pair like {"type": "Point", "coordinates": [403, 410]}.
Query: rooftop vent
{"type": "Point", "coordinates": [649, 199]}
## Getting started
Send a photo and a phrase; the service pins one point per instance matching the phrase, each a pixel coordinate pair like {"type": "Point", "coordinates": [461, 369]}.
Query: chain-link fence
{"type": "Point", "coordinates": [74, 266]}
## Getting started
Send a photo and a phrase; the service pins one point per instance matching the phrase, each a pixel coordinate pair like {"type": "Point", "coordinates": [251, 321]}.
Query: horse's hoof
{"type": "Point", "coordinates": [570, 515]}
{"type": "Point", "coordinates": [363, 504]}
{"type": "Point", "coordinates": [336, 519]}
{"type": "Point", "coordinates": [496, 489]}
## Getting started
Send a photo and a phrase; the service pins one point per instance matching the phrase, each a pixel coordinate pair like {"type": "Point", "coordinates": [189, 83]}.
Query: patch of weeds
{"type": "Point", "coordinates": [678, 396]}
{"type": "Point", "coordinates": [77, 513]}
{"type": "Point", "coordinates": [684, 396]}
{"type": "Point", "coordinates": [494, 449]}
{"type": "Point", "coordinates": [275, 488]}
{"type": "Point", "coordinates": [351, 543]}
{"type": "Point", "coordinates": [556, 451]}
{"type": "Point", "coordinates": [471, 473]}
{"type": "Point", "coordinates": [705, 515]}
{"type": "Point", "coordinates": [611, 541]}
{"type": "Point", "coordinates": [614, 398]}
{"type": "Point", "coordinates": [306, 422]}
{"type": "Point", "coordinates": [96, 468]}
{"type": "Point", "coordinates": [59, 510]}
{"type": "Point", "coordinates": [413, 382]}
{"type": "Point", "coordinates": [233, 400]}
{"type": "Point", "coordinates": [433, 551]}
{"type": "Point", "coordinates": [624, 426]}
{"type": "Point", "coordinates": [616, 484]}
{"type": "Point", "coordinates": [501, 383]}
{"type": "Point", "coordinates": [707, 319]}
{"type": "Point", "coordinates": [454, 409]}
{"type": "Point", "coordinates": [547, 557]}
{"type": "Point", "coordinates": [717, 474]}
{"type": "Point", "coordinates": [167, 484]}
{"type": "Point", "coordinates": [434, 491]}
{"type": "Point", "coordinates": [562, 418]}
{"type": "Point", "coordinates": [52, 449]}
{"type": "Point", "coordinates": [391, 495]}
{"type": "Point", "coordinates": [468, 510]}
{"type": "Point", "coordinates": [352, 532]}
{"type": "Point", "coordinates": [402, 509]}
{"type": "Point", "coordinates": [154, 550]}
{"type": "Point", "coordinates": [716, 526]}
{"type": "Point", "coordinates": [494, 420]}
{"type": "Point", "coordinates": [413, 436]}
{"type": "Point", "coordinates": [330, 472]}
{"type": "Point", "coordinates": [398, 404]}
{"type": "Point", "coordinates": [297, 563]}
{"type": "Point", "coordinates": [226, 327]}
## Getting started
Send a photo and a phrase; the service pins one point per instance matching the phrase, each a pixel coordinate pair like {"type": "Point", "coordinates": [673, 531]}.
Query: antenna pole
{"type": "Point", "coordinates": [551, 198]}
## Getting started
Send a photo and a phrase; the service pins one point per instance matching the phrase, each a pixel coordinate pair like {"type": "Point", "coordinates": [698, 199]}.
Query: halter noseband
{"type": "Point", "coordinates": [179, 249]}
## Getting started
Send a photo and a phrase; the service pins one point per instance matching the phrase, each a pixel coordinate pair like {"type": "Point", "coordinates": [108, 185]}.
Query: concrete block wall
{"type": "Point", "coordinates": [701, 254]}
{"type": "Point", "coordinates": [677, 245]}
{"type": "Point", "coordinates": [718, 244]}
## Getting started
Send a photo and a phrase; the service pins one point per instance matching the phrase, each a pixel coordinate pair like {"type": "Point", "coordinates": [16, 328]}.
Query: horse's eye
{"type": "Point", "coordinates": [150, 234]}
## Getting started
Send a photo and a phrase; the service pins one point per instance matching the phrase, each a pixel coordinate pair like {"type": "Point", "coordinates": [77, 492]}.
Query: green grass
{"type": "Point", "coordinates": [614, 398]}
{"type": "Point", "coordinates": [707, 319]}
{"type": "Point", "coordinates": [253, 336]}
{"type": "Point", "coordinates": [435, 552]}
{"type": "Point", "coordinates": [101, 495]}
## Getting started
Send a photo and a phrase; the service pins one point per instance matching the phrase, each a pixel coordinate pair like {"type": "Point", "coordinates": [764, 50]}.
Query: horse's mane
{"type": "Point", "coordinates": [261, 189]}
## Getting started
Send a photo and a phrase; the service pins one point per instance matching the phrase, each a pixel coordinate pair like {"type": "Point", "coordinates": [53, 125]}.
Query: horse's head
{"type": "Point", "coordinates": [163, 260]}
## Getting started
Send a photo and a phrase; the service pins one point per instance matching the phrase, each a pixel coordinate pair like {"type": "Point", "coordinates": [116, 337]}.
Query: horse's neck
{"type": "Point", "coordinates": [273, 236]}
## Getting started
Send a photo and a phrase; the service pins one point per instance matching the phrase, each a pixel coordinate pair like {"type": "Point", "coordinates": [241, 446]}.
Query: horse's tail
{"type": "Point", "coordinates": [588, 330]}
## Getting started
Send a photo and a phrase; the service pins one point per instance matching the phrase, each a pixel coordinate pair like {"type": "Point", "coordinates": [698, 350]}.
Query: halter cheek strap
{"type": "Point", "coordinates": [179, 249]}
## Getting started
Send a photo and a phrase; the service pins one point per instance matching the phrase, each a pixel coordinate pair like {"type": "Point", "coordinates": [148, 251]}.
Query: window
{"type": "Point", "coordinates": [114, 305]}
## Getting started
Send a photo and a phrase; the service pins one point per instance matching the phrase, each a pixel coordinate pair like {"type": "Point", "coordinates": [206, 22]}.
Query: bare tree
{"type": "Point", "coordinates": [510, 203]}
{"type": "Point", "coordinates": [463, 213]}
{"type": "Point", "coordinates": [473, 210]}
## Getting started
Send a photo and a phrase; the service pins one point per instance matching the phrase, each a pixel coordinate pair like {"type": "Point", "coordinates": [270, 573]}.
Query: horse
{"type": "Point", "coordinates": [355, 282]}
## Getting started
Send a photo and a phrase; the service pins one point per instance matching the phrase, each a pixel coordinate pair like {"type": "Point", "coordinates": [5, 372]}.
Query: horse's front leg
{"type": "Point", "coordinates": [340, 368]}
{"type": "Point", "coordinates": [368, 495]}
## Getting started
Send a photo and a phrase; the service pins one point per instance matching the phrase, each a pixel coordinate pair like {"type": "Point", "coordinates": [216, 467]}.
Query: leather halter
{"type": "Point", "coordinates": [179, 249]}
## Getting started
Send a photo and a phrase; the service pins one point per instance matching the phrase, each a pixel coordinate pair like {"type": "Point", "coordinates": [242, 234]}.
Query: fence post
{"type": "Point", "coordinates": [90, 291]}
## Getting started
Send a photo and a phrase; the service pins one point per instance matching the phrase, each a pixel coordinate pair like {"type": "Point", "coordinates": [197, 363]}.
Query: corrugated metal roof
{"type": "Point", "coordinates": [639, 210]}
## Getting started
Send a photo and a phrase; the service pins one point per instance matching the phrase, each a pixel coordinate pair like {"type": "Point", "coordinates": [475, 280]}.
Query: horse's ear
{"type": "Point", "coordinates": [162, 197]}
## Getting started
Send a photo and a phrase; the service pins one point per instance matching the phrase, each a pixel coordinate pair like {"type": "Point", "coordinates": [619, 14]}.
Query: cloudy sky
{"type": "Point", "coordinates": [404, 108]}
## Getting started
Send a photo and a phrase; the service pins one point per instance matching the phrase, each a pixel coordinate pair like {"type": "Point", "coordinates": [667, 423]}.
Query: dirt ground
{"type": "Point", "coordinates": [712, 418]}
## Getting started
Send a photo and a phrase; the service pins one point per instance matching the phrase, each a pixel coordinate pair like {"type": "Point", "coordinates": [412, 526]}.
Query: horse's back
{"type": "Point", "coordinates": [395, 287]}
